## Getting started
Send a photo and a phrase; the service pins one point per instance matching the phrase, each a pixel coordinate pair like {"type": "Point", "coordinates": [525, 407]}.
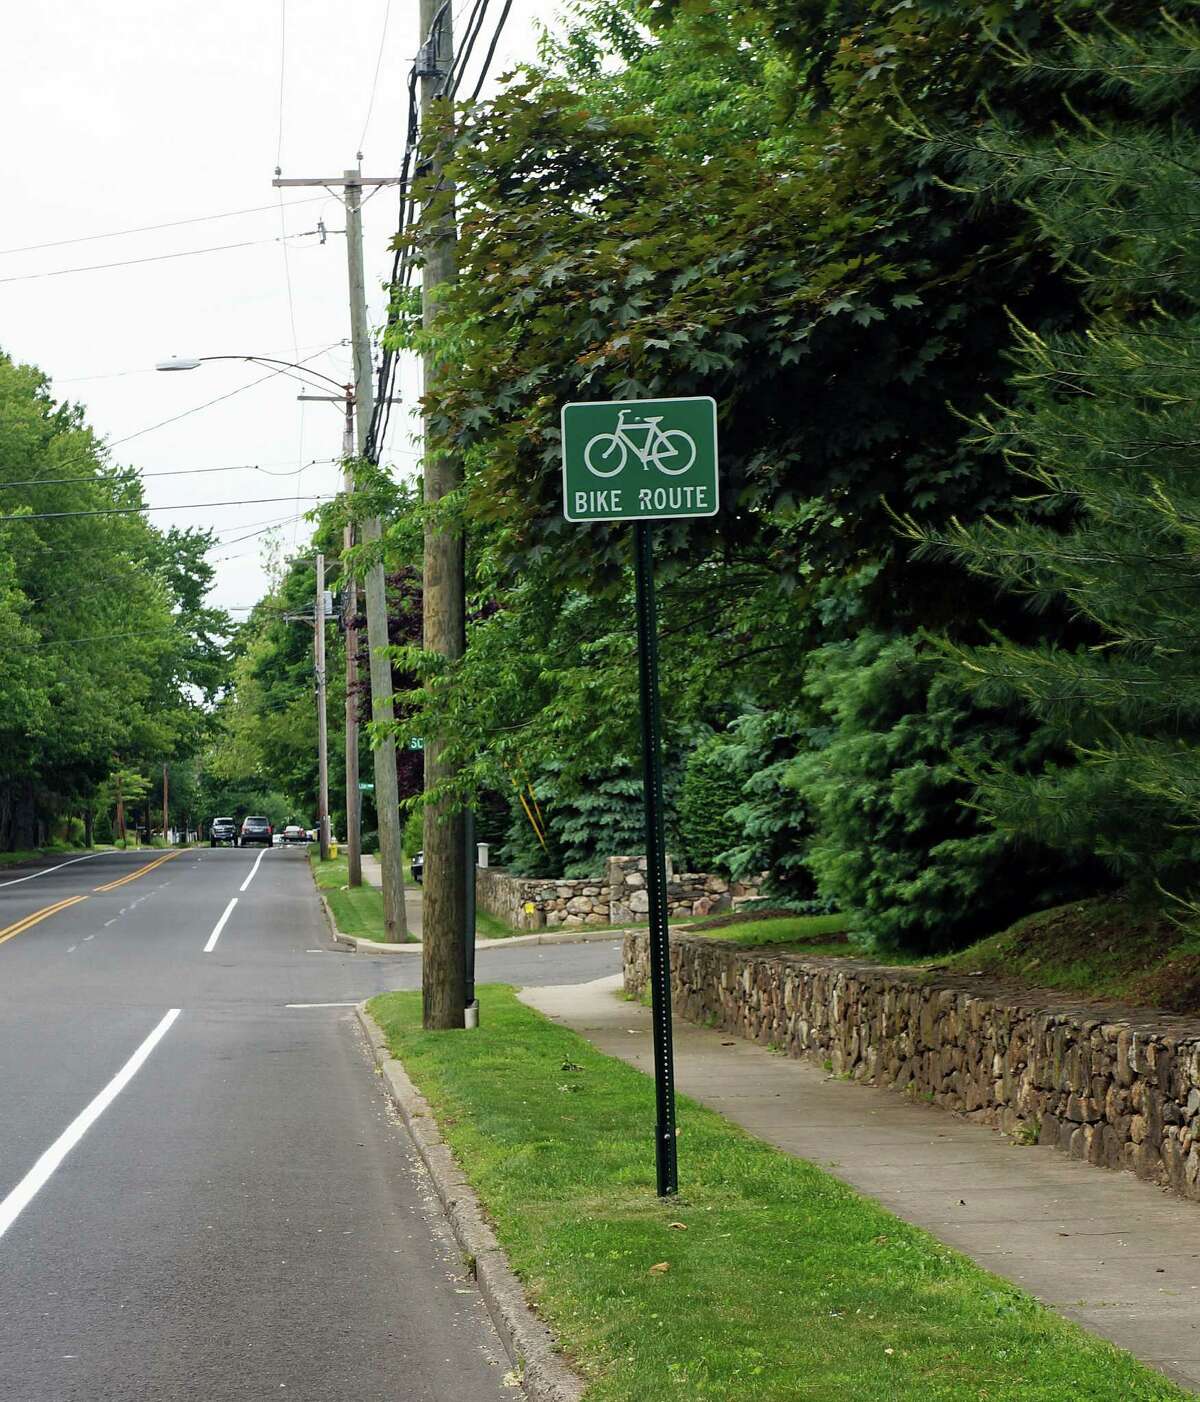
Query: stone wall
{"type": "Point", "coordinates": [619, 898]}
{"type": "Point", "coordinates": [528, 903]}
{"type": "Point", "coordinates": [1115, 1086]}
{"type": "Point", "coordinates": [690, 894]}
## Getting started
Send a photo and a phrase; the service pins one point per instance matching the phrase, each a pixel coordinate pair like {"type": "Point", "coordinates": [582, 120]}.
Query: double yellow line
{"type": "Point", "coordinates": [47, 911]}
{"type": "Point", "coordinates": [37, 915]}
{"type": "Point", "coordinates": [133, 875]}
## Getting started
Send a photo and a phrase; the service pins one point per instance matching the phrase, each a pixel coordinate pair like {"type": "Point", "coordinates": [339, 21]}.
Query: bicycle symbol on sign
{"type": "Point", "coordinates": [672, 452]}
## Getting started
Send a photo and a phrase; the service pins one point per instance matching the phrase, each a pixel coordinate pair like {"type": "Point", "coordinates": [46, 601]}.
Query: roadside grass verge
{"type": "Point", "coordinates": [491, 927]}
{"type": "Point", "coordinates": [357, 912]}
{"type": "Point", "coordinates": [53, 849]}
{"type": "Point", "coordinates": [765, 1279]}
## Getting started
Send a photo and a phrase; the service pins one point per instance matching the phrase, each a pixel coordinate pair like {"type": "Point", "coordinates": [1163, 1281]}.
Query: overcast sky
{"type": "Point", "coordinates": [127, 113]}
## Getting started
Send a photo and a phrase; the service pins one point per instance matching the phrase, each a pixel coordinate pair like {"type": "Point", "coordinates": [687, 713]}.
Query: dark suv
{"type": "Point", "coordinates": [256, 830]}
{"type": "Point", "coordinates": [222, 830]}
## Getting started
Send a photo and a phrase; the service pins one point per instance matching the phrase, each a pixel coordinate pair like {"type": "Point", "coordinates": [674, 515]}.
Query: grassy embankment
{"type": "Point", "coordinates": [1105, 948]}
{"type": "Point", "coordinates": [53, 849]}
{"type": "Point", "coordinates": [765, 1278]}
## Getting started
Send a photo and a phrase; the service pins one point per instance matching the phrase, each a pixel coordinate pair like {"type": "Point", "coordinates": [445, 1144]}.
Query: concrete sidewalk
{"type": "Point", "coordinates": [1120, 1257]}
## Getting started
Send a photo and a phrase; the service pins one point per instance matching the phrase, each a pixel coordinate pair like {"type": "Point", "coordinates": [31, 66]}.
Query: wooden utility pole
{"type": "Point", "coordinates": [164, 802]}
{"type": "Point", "coordinates": [322, 723]}
{"type": "Point", "coordinates": [120, 809]}
{"type": "Point", "coordinates": [443, 912]}
{"type": "Point", "coordinates": [353, 795]}
{"type": "Point", "coordinates": [387, 796]}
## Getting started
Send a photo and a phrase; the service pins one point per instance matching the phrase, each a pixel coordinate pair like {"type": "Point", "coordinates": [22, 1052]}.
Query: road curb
{"type": "Point", "coordinates": [531, 1348]}
{"type": "Point", "coordinates": [335, 933]}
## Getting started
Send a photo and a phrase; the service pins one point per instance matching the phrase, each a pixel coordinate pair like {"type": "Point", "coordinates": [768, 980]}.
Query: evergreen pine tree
{"type": "Point", "coordinates": [1107, 430]}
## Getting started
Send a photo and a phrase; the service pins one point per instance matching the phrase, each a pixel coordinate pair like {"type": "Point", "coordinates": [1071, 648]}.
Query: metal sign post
{"type": "Point", "coordinates": [644, 461]}
{"type": "Point", "coordinates": [666, 1166]}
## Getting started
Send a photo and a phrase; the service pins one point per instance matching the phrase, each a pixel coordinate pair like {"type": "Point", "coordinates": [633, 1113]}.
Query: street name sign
{"type": "Point", "coordinates": [640, 459]}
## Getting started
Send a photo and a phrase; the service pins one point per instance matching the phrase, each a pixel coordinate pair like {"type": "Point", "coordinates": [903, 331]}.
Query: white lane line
{"type": "Point", "coordinates": [113, 921]}
{"type": "Point", "coordinates": [320, 1005]}
{"type": "Point", "coordinates": [37, 1177]}
{"type": "Point", "coordinates": [73, 948]}
{"type": "Point", "coordinates": [33, 875]}
{"type": "Point", "coordinates": [216, 934]}
{"type": "Point", "coordinates": [253, 869]}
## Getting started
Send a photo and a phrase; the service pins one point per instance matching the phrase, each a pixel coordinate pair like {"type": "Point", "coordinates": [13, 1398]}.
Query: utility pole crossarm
{"type": "Point", "coordinates": [350, 179]}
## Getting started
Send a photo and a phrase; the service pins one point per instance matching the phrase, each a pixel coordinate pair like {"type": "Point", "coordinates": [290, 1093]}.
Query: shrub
{"type": "Point", "coordinates": [772, 824]}
{"type": "Point", "coordinates": [710, 789]}
{"type": "Point", "coordinates": [588, 822]}
{"type": "Point", "coordinates": [896, 843]}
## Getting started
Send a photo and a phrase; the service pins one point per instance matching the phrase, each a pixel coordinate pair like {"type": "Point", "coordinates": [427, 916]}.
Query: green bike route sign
{"type": "Point", "coordinates": [640, 459]}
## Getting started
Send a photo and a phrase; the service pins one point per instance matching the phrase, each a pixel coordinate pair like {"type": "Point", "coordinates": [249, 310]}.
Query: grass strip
{"type": "Point", "coordinates": [356, 911]}
{"type": "Point", "coordinates": [765, 1279]}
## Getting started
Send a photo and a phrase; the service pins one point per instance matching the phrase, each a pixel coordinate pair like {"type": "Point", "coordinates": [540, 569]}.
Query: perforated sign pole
{"type": "Point", "coordinates": [666, 1166]}
{"type": "Point", "coordinates": [646, 460]}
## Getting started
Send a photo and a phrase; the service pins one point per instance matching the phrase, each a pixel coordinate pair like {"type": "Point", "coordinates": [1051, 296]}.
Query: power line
{"type": "Point", "coordinates": [262, 528]}
{"type": "Point", "coordinates": [208, 403]}
{"type": "Point", "coordinates": [387, 12]}
{"type": "Point", "coordinates": [175, 472]}
{"type": "Point", "coordinates": [153, 228]}
{"type": "Point", "coordinates": [487, 62]}
{"type": "Point", "coordinates": [156, 258]}
{"type": "Point", "coordinates": [282, 69]}
{"type": "Point", "coordinates": [137, 510]}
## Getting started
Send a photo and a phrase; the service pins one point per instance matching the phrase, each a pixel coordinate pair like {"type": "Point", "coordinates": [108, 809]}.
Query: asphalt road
{"type": "Point", "coordinates": [203, 1194]}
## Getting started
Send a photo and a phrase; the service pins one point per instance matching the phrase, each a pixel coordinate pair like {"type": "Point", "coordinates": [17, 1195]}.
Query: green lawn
{"type": "Point", "coordinates": [55, 849]}
{"type": "Point", "coordinates": [765, 1279]}
{"type": "Point", "coordinates": [356, 912]}
{"type": "Point", "coordinates": [491, 927]}
{"type": "Point", "coordinates": [809, 934]}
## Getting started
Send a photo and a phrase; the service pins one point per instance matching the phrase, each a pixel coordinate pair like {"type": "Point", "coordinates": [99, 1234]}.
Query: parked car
{"type": "Point", "coordinates": [418, 867]}
{"type": "Point", "coordinates": [295, 833]}
{"type": "Point", "coordinates": [256, 829]}
{"type": "Point", "coordinates": [222, 830]}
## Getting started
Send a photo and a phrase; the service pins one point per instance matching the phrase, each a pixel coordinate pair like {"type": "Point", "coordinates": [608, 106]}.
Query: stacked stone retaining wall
{"type": "Point", "coordinates": [528, 903]}
{"type": "Point", "coordinates": [1116, 1086]}
{"type": "Point", "coordinates": [618, 898]}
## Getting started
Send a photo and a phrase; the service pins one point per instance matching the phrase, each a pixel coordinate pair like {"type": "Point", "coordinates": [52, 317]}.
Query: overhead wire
{"type": "Point", "coordinates": [174, 472]}
{"type": "Point", "coordinates": [158, 257]}
{"type": "Point", "coordinates": [387, 13]}
{"type": "Point", "coordinates": [138, 510]}
{"type": "Point", "coordinates": [287, 263]}
{"type": "Point", "coordinates": [491, 53]}
{"type": "Point", "coordinates": [403, 264]}
{"type": "Point", "coordinates": [154, 228]}
{"type": "Point", "coordinates": [208, 403]}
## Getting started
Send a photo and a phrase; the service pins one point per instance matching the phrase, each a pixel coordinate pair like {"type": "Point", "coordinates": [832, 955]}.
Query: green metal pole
{"type": "Point", "coordinates": [656, 864]}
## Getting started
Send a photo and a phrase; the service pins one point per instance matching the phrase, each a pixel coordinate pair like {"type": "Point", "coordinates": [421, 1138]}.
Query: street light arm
{"type": "Point", "coordinates": [283, 367]}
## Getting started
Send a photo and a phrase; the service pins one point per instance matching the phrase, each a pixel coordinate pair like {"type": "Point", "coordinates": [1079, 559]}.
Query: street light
{"type": "Point", "coordinates": [316, 379]}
